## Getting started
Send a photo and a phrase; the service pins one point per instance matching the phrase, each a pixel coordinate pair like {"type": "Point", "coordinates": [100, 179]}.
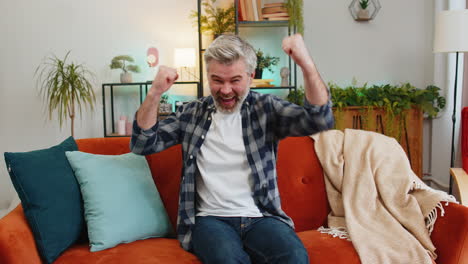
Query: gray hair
{"type": "Point", "coordinates": [228, 48]}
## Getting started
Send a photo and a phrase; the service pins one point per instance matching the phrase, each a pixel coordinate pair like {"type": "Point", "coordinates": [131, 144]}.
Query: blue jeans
{"type": "Point", "coordinates": [246, 240]}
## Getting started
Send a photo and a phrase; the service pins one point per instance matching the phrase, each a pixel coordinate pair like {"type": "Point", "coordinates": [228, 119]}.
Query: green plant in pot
{"type": "Point", "coordinates": [215, 20]}
{"type": "Point", "coordinates": [264, 61]}
{"type": "Point", "coordinates": [65, 86]}
{"type": "Point", "coordinates": [164, 105]}
{"type": "Point", "coordinates": [296, 96]}
{"type": "Point", "coordinates": [121, 62]}
{"type": "Point", "coordinates": [363, 12]}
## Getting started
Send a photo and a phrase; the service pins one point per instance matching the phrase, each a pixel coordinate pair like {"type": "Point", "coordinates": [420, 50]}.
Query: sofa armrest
{"type": "Point", "coordinates": [450, 235]}
{"type": "Point", "coordinates": [461, 178]}
{"type": "Point", "coordinates": [17, 243]}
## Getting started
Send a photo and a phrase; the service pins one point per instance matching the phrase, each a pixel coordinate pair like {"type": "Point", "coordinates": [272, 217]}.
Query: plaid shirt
{"type": "Point", "coordinates": [265, 120]}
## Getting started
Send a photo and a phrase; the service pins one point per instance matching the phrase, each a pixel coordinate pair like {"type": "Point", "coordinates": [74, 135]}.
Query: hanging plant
{"type": "Point", "coordinates": [296, 18]}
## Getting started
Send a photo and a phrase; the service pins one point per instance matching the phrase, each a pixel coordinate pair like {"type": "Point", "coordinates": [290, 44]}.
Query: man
{"type": "Point", "coordinates": [229, 205]}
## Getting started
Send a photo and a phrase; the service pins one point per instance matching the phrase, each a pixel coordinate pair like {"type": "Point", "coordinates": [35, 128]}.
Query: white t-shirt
{"type": "Point", "coordinates": [225, 184]}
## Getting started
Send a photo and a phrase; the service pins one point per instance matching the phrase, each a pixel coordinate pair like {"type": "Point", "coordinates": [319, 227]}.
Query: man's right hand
{"type": "Point", "coordinates": [148, 111]}
{"type": "Point", "coordinates": [163, 80]}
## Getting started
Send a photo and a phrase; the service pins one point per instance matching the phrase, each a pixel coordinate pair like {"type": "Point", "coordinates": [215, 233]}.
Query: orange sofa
{"type": "Point", "coordinates": [302, 190]}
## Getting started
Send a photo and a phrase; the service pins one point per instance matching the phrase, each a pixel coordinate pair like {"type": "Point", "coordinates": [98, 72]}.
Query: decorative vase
{"type": "Point", "coordinates": [363, 14]}
{"type": "Point", "coordinates": [258, 73]}
{"type": "Point", "coordinates": [126, 77]}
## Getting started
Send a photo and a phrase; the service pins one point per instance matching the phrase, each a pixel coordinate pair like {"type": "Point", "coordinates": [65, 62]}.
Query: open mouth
{"type": "Point", "coordinates": [228, 100]}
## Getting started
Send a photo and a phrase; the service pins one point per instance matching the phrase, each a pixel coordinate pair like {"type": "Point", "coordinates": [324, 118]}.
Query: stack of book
{"type": "Point", "coordinates": [256, 10]}
{"type": "Point", "coordinates": [275, 11]}
{"type": "Point", "coordinates": [262, 83]}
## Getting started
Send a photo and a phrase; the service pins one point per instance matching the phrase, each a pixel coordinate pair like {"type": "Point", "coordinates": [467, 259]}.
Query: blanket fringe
{"type": "Point", "coordinates": [431, 218]}
{"type": "Point", "coordinates": [339, 232]}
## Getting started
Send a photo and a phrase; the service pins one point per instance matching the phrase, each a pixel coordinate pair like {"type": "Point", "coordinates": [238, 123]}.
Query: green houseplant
{"type": "Point", "coordinates": [394, 110]}
{"type": "Point", "coordinates": [120, 62]}
{"type": "Point", "coordinates": [363, 12]}
{"type": "Point", "coordinates": [164, 105]}
{"type": "Point", "coordinates": [264, 61]}
{"type": "Point", "coordinates": [65, 86]}
{"type": "Point", "coordinates": [296, 18]}
{"type": "Point", "coordinates": [296, 96]}
{"type": "Point", "coordinates": [216, 20]}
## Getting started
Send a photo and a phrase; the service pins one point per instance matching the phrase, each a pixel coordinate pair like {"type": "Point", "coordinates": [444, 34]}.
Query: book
{"type": "Point", "coordinates": [243, 4]}
{"type": "Point", "coordinates": [275, 15]}
{"type": "Point", "coordinates": [281, 4]}
{"type": "Point", "coordinates": [262, 80]}
{"type": "Point", "coordinates": [249, 10]}
{"type": "Point", "coordinates": [259, 9]}
{"type": "Point", "coordinates": [240, 11]}
{"type": "Point", "coordinates": [262, 83]}
{"type": "Point", "coordinates": [255, 10]}
{"type": "Point", "coordinates": [270, 10]}
{"type": "Point", "coordinates": [278, 18]}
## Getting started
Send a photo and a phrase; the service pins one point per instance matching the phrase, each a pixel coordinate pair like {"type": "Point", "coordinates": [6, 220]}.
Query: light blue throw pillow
{"type": "Point", "coordinates": [121, 201]}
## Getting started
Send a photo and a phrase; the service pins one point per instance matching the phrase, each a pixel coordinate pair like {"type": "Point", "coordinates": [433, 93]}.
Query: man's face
{"type": "Point", "coordinates": [228, 84]}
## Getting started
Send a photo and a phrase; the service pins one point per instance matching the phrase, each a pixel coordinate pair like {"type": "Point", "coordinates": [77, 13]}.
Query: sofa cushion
{"type": "Point", "coordinates": [153, 250]}
{"type": "Point", "coordinates": [50, 196]}
{"type": "Point", "coordinates": [301, 184]}
{"type": "Point", "coordinates": [121, 201]}
{"type": "Point", "coordinates": [324, 248]}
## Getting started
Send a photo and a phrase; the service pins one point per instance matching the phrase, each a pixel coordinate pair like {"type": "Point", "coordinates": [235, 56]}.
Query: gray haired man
{"type": "Point", "coordinates": [229, 204]}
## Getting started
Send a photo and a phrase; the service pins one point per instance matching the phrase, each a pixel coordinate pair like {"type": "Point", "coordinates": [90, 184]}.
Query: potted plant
{"type": "Point", "coordinates": [296, 19]}
{"type": "Point", "coordinates": [164, 105]}
{"type": "Point", "coordinates": [65, 86]}
{"type": "Point", "coordinates": [119, 62]}
{"type": "Point", "coordinates": [363, 12]}
{"type": "Point", "coordinates": [217, 20]}
{"type": "Point", "coordinates": [296, 96]}
{"type": "Point", "coordinates": [264, 62]}
{"type": "Point", "coordinates": [394, 110]}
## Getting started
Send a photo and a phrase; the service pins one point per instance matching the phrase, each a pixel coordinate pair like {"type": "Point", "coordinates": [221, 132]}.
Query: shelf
{"type": "Point", "coordinates": [144, 83]}
{"type": "Point", "coordinates": [273, 87]}
{"type": "Point", "coordinates": [264, 23]}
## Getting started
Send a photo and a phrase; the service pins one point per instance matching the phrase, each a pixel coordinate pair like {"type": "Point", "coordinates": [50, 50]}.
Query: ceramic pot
{"type": "Point", "coordinates": [126, 77]}
{"type": "Point", "coordinates": [258, 73]}
{"type": "Point", "coordinates": [363, 14]}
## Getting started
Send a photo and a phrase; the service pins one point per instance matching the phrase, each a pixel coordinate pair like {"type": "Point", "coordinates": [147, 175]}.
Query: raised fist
{"type": "Point", "coordinates": [295, 47]}
{"type": "Point", "coordinates": [164, 79]}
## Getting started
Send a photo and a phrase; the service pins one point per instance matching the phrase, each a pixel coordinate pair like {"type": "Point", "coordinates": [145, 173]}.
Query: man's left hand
{"type": "Point", "coordinates": [295, 47]}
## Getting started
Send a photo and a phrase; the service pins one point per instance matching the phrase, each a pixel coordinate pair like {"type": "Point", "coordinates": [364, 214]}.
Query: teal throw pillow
{"type": "Point", "coordinates": [121, 201]}
{"type": "Point", "coordinates": [50, 197]}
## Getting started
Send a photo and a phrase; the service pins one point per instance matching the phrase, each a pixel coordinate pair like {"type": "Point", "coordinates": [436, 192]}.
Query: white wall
{"type": "Point", "coordinates": [94, 31]}
{"type": "Point", "coordinates": [395, 47]}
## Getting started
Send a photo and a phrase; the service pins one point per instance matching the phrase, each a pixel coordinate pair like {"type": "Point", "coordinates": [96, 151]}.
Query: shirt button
{"type": "Point", "coordinates": [203, 136]}
{"type": "Point", "coordinates": [191, 156]}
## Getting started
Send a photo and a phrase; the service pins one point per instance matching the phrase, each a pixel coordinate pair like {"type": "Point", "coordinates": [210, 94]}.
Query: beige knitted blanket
{"type": "Point", "coordinates": [376, 199]}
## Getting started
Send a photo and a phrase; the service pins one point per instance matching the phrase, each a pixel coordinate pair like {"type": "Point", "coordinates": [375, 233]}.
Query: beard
{"type": "Point", "coordinates": [237, 102]}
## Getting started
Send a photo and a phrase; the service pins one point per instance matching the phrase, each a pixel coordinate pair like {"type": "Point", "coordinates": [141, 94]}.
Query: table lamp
{"type": "Point", "coordinates": [451, 35]}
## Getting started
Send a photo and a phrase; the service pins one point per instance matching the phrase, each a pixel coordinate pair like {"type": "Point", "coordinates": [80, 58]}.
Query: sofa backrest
{"type": "Point", "coordinates": [300, 178]}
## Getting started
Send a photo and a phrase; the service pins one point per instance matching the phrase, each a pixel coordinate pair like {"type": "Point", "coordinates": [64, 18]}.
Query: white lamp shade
{"type": "Point", "coordinates": [451, 31]}
{"type": "Point", "coordinates": [184, 57]}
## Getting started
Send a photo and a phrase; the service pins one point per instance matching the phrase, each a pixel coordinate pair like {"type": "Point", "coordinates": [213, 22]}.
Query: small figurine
{"type": "Point", "coordinates": [284, 73]}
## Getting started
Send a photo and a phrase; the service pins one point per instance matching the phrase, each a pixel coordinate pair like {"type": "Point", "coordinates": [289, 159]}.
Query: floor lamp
{"type": "Point", "coordinates": [451, 35]}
